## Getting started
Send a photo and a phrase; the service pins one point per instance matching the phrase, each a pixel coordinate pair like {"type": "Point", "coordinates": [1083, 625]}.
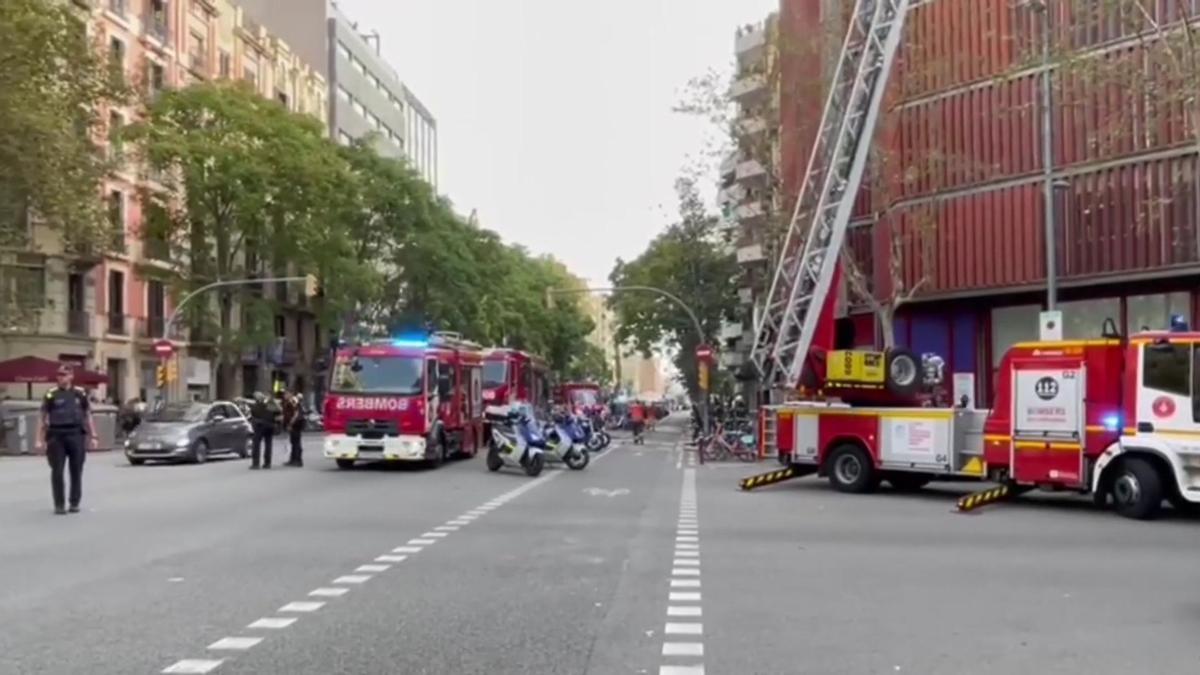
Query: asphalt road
{"type": "Point", "coordinates": [218, 569]}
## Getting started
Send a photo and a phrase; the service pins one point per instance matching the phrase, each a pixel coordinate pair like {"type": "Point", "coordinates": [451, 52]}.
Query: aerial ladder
{"type": "Point", "coordinates": [808, 260]}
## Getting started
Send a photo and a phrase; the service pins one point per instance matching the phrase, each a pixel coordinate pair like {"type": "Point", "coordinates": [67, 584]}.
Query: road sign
{"type": "Point", "coordinates": [704, 353]}
{"type": "Point", "coordinates": [164, 348]}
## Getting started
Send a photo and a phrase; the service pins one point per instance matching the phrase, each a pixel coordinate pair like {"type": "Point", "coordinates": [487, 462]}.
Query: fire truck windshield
{"type": "Point", "coordinates": [495, 374]}
{"type": "Point", "coordinates": [379, 375]}
{"type": "Point", "coordinates": [583, 397]}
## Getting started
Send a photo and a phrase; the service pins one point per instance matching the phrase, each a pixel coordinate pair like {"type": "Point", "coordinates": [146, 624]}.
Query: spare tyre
{"type": "Point", "coordinates": [903, 376]}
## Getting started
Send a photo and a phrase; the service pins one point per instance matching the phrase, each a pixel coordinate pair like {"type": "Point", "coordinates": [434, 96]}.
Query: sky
{"type": "Point", "coordinates": [555, 117]}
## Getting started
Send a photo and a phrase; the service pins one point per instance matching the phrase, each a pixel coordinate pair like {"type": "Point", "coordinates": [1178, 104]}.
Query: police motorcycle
{"type": "Point", "coordinates": [595, 438]}
{"type": "Point", "coordinates": [516, 439]}
{"type": "Point", "coordinates": [566, 441]}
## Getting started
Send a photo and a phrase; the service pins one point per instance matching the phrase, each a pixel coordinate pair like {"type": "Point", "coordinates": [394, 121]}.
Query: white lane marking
{"type": "Point", "coordinates": [685, 546]}
{"type": "Point", "coordinates": [687, 554]}
{"type": "Point", "coordinates": [436, 535]}
{"type": "Point", "coordinates": [687, 522]}
{"type": "Point", "coordinates": [273, 622]}
{"type": "Point", "coordinates": [407, 549]}
{"type": "Point", "coordinates": [352, 579]}
{"type": "Point", "coordinates": [688, 531]}
{"type": "Point", "coordinates": [685, 583]}
{"type": "Point", "coordinates": [686, 562]}
{"type": "Point", "coordinates": [684, 629]}
{"type": "Point", "coordinates": [372, 568]}
{"type": "Point", "coordinates": [421, 542]}
{"type": "Point", "coordinates": [684, 572]}
{"type": "Point", "coordinates": [238, 643]}
{"type": "Point", "coordinates": [683, 611]}
{"type": "Point", "coordinates": [447, 528]}
{"type": "Point", "coordinates": [681, 670]}
{"type": "Point", "coordinates": [193, 666]}
{"type": "Point", "coordinates": [302, 607]}
{"type": "Point", "coordinates": [391, 558]}
{"type": "Point", "coordinates": [175, 580]}
{"type": "Point", "coordinates": [684, 596]}
{"type": "Point", "coordinates": [464, 519]}
{"type": "Point", "coordinates": [683, 649]}
{"type": "Point", "coordinates": [328, 592]}
{"type": "Point", "coordinates": [692, 539]}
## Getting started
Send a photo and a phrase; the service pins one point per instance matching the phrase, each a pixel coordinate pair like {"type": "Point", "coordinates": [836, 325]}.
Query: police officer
{"type": "Point", "coordinates": [66, 417]}
{"type": "Point", "coordinates": [293, 422]}
{"type": "Point", "coordinates": [262, 418]}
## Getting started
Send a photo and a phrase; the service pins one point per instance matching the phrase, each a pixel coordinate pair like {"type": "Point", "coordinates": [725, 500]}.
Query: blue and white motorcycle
{"type": "Point", "coordinates": [566, 442]}
{"type": "Point", "coordinates": [516, 440]}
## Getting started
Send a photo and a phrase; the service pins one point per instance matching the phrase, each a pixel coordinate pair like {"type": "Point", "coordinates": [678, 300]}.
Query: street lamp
{"type": "Point", "coordinates": [1042, 8]}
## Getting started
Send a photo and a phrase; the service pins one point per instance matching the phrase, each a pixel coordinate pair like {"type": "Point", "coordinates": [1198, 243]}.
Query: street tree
{"type": "Point", "coordinates": [691, 261]}
{"type": "Point", "coordinates": [248, 190]}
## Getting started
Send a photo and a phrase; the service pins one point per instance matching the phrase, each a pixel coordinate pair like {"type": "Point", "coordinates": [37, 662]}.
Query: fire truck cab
{"type": "Point", "coordinates": [583, 397]}
{"type": "Point", "coordinates": [511, 375]}
{"type": "Point", "coordinates": [413, 399]}
{"type": "Point", "coordinates": [1118, 419]}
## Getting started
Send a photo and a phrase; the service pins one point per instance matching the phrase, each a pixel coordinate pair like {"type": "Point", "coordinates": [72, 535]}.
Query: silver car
{"type": "Point", "coordinates": [190, 432]}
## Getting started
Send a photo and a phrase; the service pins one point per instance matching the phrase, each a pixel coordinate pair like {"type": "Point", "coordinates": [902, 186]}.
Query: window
{"type": "Point", "coordinates": [198, 10]}
{"type": "Point", "coordinates": [115, 146]}
{"type": "Point", "coordinates": [156, 78]}
{"type": "Point", "coordinates": [226, 63]}
{"type": "Point", "coordinates": [282, 98]}
{"type": "Point", "coordinates": [344, 95]}
{"type": "Point", "coordinates": [156, 308]}
{"type": "Point", "coordinates": [116, 219]}
{"type": "Point", "coordinates": [359, 108]}
{"type": "Point", "coordinates": [1154, 312]}
{"type": "Point", "coordinates": [156, 21]}
{"type": "Point", "coordinates": [360, 67]}
{"type": "Point", "coordinates": [344, 138]}
{"type": "Point", "coordinates": [374, 81]}
{"type": "Point", "coordinates": [345, 52]}
{"type": "Point", "coordinates": [373, 121]}
{"type": "Point", "coordinates": [1011, 325]}
{"type": "Point", "coordinates": [1167, 368]}
{"type": "Point", "coordinates": [116, 302]}
{"type": "Point", "coordinates": [198, 53]}
{"type": "Point", "coordinates": [117, 7]}
{"type": "Point", "coordinates": [1084, 319]}
{"type": "Point", "coordinates": [250, 74]}
{"type": "Point", "coordinates": [23, 285]}
{"type": "Point", "coordinates": [116, 59]}
{"type": "Point", "coordinates": [280, 326]}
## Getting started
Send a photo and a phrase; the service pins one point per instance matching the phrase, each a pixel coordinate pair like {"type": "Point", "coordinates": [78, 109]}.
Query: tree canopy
{"type": "Point", "coordinates": [690, 261]}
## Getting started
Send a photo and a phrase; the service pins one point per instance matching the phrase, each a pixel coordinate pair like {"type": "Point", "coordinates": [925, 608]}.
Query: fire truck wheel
{"type": "Point", "coordinates": [851, 470]}
{"type": "Point", "coordinates": [903, 373]}
{"type": "Point", "coordinates": [908, 482]}
{"type": "Point", "coordinates": [493, 459]}
{"type": "Point", "coordinates": [1137, 489]}
{"type": "Point", "coordinates": [439, 453]}
{"type": "Point", "coordinates": [345, 464]}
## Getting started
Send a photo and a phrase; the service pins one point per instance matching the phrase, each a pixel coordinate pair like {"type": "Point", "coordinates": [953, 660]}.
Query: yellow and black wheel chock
{"type": "Point", "coordinates": [773, 477]}
{"type": "Point", "coordinates": [983, 498]}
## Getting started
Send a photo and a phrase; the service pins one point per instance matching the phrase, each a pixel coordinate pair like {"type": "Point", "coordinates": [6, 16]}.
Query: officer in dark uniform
{"type": "Point", "coordinates": [66, 417]}
{"type": "Point", "coordinates": [262, 419]}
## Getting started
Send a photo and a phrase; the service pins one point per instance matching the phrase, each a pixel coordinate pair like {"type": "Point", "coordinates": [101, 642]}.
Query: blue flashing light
{"type": "Point", "coordinates": [1112, 422]}
{"type": "Point", "coordinates": [1178, 324]}
{"type": "Point", "coordinates": [411, 342]}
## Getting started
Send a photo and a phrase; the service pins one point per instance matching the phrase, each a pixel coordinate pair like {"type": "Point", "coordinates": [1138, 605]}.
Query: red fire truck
{"type": "Point", "coordinates": [411, 399]}
{"type": "Point", "coordinates": [1115, 418]}
{"type": "Point", "coordinates": [583, 397]}
{"type": "Point", "coordinates": [511, 375]}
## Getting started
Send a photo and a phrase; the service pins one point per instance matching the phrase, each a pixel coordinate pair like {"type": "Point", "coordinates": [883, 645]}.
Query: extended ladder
{"type": "Point", "coordinates": [810, 252]}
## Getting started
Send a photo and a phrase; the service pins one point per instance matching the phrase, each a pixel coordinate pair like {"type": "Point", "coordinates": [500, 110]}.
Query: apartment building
{"type": "Point", "coordinates": [366, 95]}
{"type": "Point", "coordinates": [1115, 200]}
{"type": "Point", "coordinates": [748, 194]}
{"type": "Point", "coordinates": [104, 310]}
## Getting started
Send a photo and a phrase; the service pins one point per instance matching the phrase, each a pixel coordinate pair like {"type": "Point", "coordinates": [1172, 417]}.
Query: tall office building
{"type": "Point", "coordinates": [365, 93]}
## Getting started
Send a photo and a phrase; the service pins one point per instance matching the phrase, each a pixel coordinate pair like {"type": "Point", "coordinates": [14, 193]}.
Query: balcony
{"type": "Point", "coordinates": [750, 44]}
{"type": "Point", "coordinates": [749, 90]}
{"type": "Point", "coordinates": [117, 324]}
{"type": "Point", "coordinates": [733, 194]}
{"type": "Point", "coordinates": [154, 26]}
{"type": "Point", "coordinates": [79, 323]}
{"type": "Point", "coordinates": [198, 64]}
{"type": "Point", "coordinates": [731, 360]}
{"type": "Point", "coordinates": [729, 167]}
{"type": "Point", "coordinates": [751, 171]}
{"type": "Point", "coordinates": [751, 213]}
{"type": "Point", "coordinates": [151, 327]}
{"type": "Point", "coordinates": [749, 255]}
{"type": "Point", "coordinates": [752, 127]}
{"type": "Point", "coordinates": [731, 330]}
{"type": "Point", "coordinates": [746, 296]}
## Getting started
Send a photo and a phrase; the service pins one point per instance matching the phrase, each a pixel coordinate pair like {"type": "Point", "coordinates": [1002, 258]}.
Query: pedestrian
{"type": "Point", "coordinates": [293, 421]}
{"type": "Point", "coordinates": [637, 417]}
{"type": "Point", "coordinates": [65, 418]}
{"type": "Point", "coordinates": [262, 419]}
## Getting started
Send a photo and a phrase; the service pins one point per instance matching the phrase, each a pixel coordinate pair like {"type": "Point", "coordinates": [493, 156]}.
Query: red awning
{"type": "Point", "coordinates": [32, 370]}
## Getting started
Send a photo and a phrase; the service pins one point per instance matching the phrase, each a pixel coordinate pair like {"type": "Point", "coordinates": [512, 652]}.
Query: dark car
{"type": "Point", "coordinates": [190, 432]}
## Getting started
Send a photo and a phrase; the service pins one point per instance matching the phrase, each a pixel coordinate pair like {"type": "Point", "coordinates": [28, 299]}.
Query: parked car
{"type": "Point", "coordinates": [190, 432]}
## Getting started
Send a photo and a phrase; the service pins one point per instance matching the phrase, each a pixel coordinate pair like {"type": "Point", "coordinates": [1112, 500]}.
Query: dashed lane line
{"type": "Point", "coordinates": [342, 583]}
{"type": "Point", "coordinates": [685, 573]}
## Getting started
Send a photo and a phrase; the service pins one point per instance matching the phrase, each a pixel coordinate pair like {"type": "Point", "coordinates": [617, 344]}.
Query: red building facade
{"type": "Point", "coordinates": [961, 189]}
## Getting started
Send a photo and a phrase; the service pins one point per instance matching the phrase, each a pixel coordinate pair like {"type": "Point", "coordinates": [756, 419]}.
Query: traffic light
{"type": "Point", "coordinates": [311, 289]}
{"type": "Point", "coordinates": [160, 375]}
{"type": "Point", "coordinates": [172, 371]}
{"type": "Point", "coordinates": [703, 375]}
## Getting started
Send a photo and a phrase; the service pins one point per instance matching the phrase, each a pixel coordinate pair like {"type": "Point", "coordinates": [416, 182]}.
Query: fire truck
{"type": "Point", "coordinates": [511, 375]}
{"type": "Point", "coordinates": [1116, 417]}
{"type": "Point", "coordinates": [405, 400]}
{"type": "Point", "coordinates": [584, 397]}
